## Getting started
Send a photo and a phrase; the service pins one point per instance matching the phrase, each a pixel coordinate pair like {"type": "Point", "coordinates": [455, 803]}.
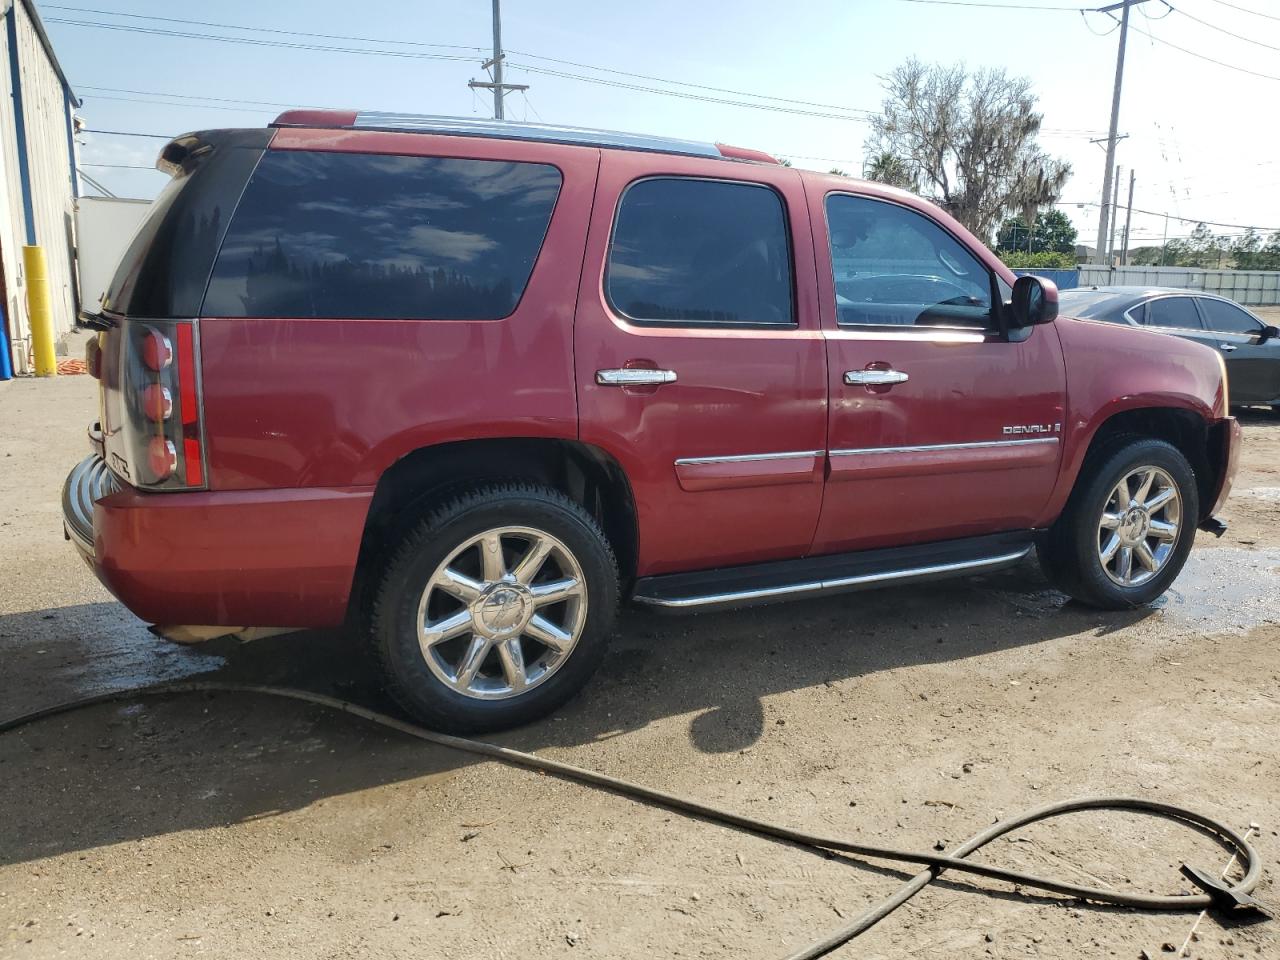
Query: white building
{"type": "Point", "coordinates": [38, 183]}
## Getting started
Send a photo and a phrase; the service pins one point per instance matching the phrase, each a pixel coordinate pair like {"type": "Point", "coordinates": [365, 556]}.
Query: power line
{"type": "Point", "coordinates": [185, 96]}
{"type": "Point", "coordinates": [1256, 13]}
{"type": "Point", "coordinates": [823, 111]}
{"type": "Point", "coordinates": [682, 95]}
{"type": "Point", "coordinates": [328, 36]}
{"type": "Point", "coordinates": [685, 83]}
{"type": "Point", "coordinates": [1161, 213]}
{"type": "Point", "coordinates": [234, 26]}
{"type": "Point", "coordinates": [1201, 56]}
{"type": "Point", "coordinates": [322, 48]}
{"type": "Point", "coordinates": [454, 46]}
{"type": "Point", "coordinates": [198, 106]}
{"type": "Point", "coordinates": [129, 133]}
{"type": "Point", "coordinates": [1214, 26]}
{"type": "Point", "coordinates": [118, 166]}
{"type": "Point", "coordinates": [432, 56]}
{"type": "Point", "coordinates": [991, 6]}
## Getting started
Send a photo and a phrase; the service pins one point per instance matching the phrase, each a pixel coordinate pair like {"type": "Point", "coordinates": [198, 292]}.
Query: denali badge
{"type": "Point", "coordinates": [1032, 428]}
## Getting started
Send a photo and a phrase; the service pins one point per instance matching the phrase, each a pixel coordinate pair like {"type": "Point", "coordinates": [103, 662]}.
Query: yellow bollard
{"type": "Point", "coordinates": [40, 310]}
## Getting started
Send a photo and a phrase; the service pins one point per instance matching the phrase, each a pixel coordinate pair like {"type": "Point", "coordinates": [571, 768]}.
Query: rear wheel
{"type": "Point", "coordinates": [1127, 528]}
{"type": "Point", "coordinates": [496, 608]}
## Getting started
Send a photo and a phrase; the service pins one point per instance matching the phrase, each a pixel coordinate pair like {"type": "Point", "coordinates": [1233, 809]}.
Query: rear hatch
{"type": "Point", "coordinates": [146, 354]}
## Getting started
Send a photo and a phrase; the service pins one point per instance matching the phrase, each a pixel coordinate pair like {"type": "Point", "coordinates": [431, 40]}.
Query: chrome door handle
{"type": "Point", "coordinates": [634, 377]}
{"type": "Point", "coordinates": [1226, 347]}
{"type": "Point", "coordinates": [870, 378]}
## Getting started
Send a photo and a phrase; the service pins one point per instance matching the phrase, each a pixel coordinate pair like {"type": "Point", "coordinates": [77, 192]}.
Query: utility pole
{"type": "Point", "coordinates": [1115, 218]}
{"type": "Point", "coordinates": [497, 86]}
{"type": "Point", "coordinates": [1128, 218]}
{"type": "Point", "coordinates": [1123, 6]}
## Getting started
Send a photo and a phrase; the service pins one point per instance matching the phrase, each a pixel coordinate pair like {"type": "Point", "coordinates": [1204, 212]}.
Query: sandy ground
{"type": "Point", "coordinates": [233, 826]}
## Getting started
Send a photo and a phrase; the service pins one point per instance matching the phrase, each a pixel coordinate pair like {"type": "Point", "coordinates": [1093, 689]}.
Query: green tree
{"type": "Point", "coordinates": [1146, 256]}
{"type": "Point", "coordinates": [837, 172]}
{"type": "Point", "coordinates": [1043, 260]}
{"type": "Point", "coordinates": [1251, 253]}
{"type": "Point", "coordinates": [1201, 249]}
{"type": "Point", "coordinates": [968, 141]}
{"type": "Point", "coordinates": [1272, 252]}
{"type": "Point", "coordinates": [1053, 232]}
{"type": "Point", "coordinates": [884, 167]}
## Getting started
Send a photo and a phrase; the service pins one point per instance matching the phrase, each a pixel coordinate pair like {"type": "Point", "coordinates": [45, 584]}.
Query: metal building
{"type": "Point", "coordinates": [38, 183]}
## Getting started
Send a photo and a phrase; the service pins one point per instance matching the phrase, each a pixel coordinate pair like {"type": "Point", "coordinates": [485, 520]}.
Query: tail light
{"type": "Point", "coordinates": [161, 400]}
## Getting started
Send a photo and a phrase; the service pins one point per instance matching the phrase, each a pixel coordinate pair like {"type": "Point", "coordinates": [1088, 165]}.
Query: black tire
{"type": "Point", "coordinates": [1070, 554]}
{"type": "Point", "coordinates": [394, 629]}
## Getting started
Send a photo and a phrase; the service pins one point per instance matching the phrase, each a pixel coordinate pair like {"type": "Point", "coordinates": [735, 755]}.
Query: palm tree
{"type": "Point", "coordinates": [887, 168]}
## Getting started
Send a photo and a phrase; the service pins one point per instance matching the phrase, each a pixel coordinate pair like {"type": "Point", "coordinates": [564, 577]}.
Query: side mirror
{"type": "Point", "coordinates": [1035, 300]}
{"type": "Point", "coordinates": [1268, 333]}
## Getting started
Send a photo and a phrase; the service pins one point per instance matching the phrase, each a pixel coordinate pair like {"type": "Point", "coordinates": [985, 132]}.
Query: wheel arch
{"type": "Point", "coordinates": [583, 472]}
{"type": "Point", "coordinates": [1182, 427]}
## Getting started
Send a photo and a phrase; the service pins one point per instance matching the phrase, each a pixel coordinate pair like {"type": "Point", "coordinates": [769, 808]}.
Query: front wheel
{"type": "Point", "coordinates": [495, 610]}
{"type": "Point", "coordinates": [1128, 527]}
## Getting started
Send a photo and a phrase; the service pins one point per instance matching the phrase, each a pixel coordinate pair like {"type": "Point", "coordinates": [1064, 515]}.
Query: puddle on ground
{"type": "Point", "coordinates": [1224, 589]}
{"type": "Point", "coordinates": [1267, 494]}
{"type": "Point", "coordinates": [1220, 590]}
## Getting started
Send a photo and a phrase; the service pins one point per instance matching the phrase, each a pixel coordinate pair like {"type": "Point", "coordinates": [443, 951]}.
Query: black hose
{"type": "Point", "coordinates": [1221, 896]}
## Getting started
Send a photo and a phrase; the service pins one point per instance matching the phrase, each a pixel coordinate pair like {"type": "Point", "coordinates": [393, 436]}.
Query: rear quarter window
{"type": "Point", "coordinates": [383, 237]}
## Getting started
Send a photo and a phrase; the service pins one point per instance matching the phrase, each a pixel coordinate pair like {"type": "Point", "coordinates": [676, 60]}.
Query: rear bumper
{"type": "Point", "coordinates": [264, 558]}
{"type": "Point", "coordinates": [86, 484]}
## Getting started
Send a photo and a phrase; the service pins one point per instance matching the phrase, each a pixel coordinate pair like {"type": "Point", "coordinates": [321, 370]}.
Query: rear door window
{"type": "Point", "coordinates": [701, 253]}
{"type": "Point", "coordinates": [1223, 317]}
{"type": "Point", "coordinates": [372, 237]}
{"type": "Point", "coordinates": [1178, 312]}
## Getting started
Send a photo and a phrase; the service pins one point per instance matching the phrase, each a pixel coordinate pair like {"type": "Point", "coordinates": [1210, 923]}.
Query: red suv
{"type": "Point", "coordinates": [464, 385]}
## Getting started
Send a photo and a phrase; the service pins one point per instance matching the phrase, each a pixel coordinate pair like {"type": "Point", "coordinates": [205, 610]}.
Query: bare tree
{"type": "Point", "coordinates": [969, 140]}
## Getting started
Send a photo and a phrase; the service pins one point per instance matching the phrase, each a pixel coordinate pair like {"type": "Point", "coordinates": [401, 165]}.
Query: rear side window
{"type": "Point", "coordinates": [1227, 317]}
{"type": "Point", "coordinates": [694, 252]}
{"type": "Point", "coordinates": [383, 237]}
{"type": "Point", "coordinates": [1179, 312]}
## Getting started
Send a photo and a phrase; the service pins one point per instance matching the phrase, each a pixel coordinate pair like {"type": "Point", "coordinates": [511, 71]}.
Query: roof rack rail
{"type": "Point", "coordinates": [511, 130]}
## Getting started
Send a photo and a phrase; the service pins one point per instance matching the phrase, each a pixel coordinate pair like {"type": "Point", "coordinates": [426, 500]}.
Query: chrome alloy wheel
{"type": "Point", "coordinates": [502, 613]}
{"type": "Point", "coordinates": [1139, 526]}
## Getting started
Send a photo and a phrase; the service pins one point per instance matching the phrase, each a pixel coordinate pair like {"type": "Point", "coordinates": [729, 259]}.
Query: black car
{"type": "Point", "coordinates": [1250, 347]}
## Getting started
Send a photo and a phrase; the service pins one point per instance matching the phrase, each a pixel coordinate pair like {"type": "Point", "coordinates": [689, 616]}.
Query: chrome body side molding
{"type": "Point", "coordinates": [748, 457]}
{"type": "Point", "coordinates": [931, 447]}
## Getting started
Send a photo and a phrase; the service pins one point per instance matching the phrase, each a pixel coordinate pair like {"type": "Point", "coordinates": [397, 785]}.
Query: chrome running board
{"type": "Point", "coordinates": [813, 576]}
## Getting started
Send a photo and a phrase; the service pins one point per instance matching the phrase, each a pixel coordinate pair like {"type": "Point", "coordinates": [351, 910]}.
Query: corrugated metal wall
{"type": "Point", "coordinates": [1251, 287]}
{"type": "Point", "coordinates": [45, 110]}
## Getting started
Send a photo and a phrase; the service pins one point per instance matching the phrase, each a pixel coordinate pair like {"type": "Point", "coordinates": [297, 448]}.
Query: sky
{"type": "Point", "coordinates": [1200, 136]}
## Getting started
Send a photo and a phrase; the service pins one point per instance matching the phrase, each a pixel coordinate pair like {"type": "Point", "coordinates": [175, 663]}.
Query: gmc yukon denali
{"type": "Point", "coordinates": [463, 386]}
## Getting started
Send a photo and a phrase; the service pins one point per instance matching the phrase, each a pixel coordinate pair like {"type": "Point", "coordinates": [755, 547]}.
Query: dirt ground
{"type": "Point", "coordinates": [241, 827]}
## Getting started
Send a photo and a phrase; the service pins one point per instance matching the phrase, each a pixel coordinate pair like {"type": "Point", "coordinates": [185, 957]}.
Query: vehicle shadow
{"type": "Point", "coordinates": [125, 771]}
